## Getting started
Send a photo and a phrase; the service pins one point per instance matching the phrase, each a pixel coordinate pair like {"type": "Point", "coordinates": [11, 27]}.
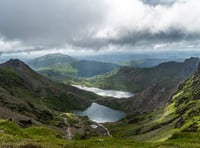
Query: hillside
{"type": "Point", "coordinates": [175, 125]}
{"type": "Point", "coordinates": [15, 73]}
{"type": "Point", "coordinates": [25, 93]}
{"type": "Point", "coordinates": [61, 67]}
{"type": "Point", "coordinates": [150, 62]}
{"type": "Point", "coordinates": [28, 99]}
{"type": "Point", "coordinates": [135, 80]}
{"type": "Point", "coordinates": [179, 120]}
{"type": "Point", "coordinates": [152, 86]}
{"type": "Point", "coordinates": [91, 68]}
{"type": "Point", "coordinates": [50, 60]}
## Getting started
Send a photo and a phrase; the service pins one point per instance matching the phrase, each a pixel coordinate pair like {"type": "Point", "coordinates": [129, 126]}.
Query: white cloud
{"type": "Point", "coordinates": [133, 15]}
{"type": "Point", "coordinates": [100, 25]}
{"type": "Point", "coordinates": [12, 46]}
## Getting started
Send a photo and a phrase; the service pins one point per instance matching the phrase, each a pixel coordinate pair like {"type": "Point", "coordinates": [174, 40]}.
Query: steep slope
{"type": "Point", "coordinates": [23, 90]}
{"type": "Point", "coordinates": [152, 86]}
{"type": "Point", "coordinates": [176, 125]}
{"type": "Point", "coordinates": [153, 97]}
{"type": "Point", "coordinates": [179, 120]}
{"type": "Point", "coordinates": [137, 79]}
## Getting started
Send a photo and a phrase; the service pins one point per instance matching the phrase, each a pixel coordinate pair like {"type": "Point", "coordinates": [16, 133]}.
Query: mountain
{"type": "Point", "coordinates": [29, 99]}
{"type": "Point", "coordinates": [22, 90]}
{"type": "Point", "coordinates": [150, 62]}
{"type": "Point", "coordinates": [125, 58]}
{"type": "Point", "coordinates": [33, 114]}
{"type": "Point", "coordinates": [167, 75]}
{"type": "Point", "coordinates": [92, 68]}
{"type": "Point", "coordinates": [62, 67]}
{"type": "Point", "coordinates": [152, 86]}
{"type": "Point", "coordinates": [177, 124]}
{"type": "Point", "coordinates": [50, 60]}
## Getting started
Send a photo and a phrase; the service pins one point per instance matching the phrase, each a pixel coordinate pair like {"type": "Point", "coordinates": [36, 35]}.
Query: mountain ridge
{"type": "Point", "coordinates": [144, 77]}
{"type": "Point", "coordinates": [51, 59]}
{"type": "Point", "coordinates": [61, 67]}
{"type": "Point", "coordinates": [164, 127]}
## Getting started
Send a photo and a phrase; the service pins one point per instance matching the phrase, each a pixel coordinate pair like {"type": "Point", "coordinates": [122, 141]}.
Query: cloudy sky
{"type": "Point", "coordinates": [98, 26]}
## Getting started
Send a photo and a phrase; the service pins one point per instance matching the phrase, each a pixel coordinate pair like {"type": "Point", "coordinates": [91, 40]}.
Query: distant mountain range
{"type": "Point", "coordinates": [145, 59]}
{"type": "Point", "coordinates": [151, 62]}
{"type": "Point", "coordinates": [152, 86]}
{"type": "Point", "coordinates": [62, 67]}
{"type": "Point", "coordinates": [157, 82]}
{"type": "Point", "coordinates": [133, 79]}
{"type": "Point", "coordinates": [51, 60]}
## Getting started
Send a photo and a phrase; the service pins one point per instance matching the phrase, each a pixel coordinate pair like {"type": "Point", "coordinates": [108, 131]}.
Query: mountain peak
{"type": "Point", "coordinates": [50, 60]}
{"type": "Point", "coordinates": [192, 59]}
{"type": "Point", "coordinates": [58, 55]}
{"type": "Point", "coordinates": [15, 62]}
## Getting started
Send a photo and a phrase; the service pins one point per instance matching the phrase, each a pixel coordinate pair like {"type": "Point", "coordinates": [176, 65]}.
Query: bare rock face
{"type": "Point", "coordinates": [148, 100]}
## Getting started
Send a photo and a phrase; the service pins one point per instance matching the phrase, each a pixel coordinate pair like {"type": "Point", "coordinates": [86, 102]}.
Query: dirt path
{"type": "Point", "coordinates": [106, 129]}
{"type": "Point", "coordinates": [69, 132]}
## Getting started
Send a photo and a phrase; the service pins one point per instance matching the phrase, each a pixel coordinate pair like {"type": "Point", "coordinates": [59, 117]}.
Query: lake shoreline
{"type": "Point", "coordinates": [106, 93]}
{"type": "Point", "coordinates": [101, 113]}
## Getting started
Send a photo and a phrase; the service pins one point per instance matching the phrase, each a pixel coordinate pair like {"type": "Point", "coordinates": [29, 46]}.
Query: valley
{"type": "Point", "coordinates": [82, 112]}
{"type": "Point", "coordinates": [99, 74]}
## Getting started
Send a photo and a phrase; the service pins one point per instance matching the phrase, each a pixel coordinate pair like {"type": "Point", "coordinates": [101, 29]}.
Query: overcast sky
{"type": "Point", "coordinates": [82, 27]}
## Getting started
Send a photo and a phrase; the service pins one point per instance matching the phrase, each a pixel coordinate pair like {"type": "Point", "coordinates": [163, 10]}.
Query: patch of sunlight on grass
{"type": "Point", "coordinates": [168, 111]}
{"type": "Point", "coordinates": [177, 95]}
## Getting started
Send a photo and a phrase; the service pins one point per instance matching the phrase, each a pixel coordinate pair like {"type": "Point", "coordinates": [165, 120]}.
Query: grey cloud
{"type": "Point", "coordinates": [135, 38]}
{"type": "Point", "coordinates": [159, 2]}
{"type": "Point", "coordinates": [27, 50]}
{"type": "Point", "coordinates": [47, 22]}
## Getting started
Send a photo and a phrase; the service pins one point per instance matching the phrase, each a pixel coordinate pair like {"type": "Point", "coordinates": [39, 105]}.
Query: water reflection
{"type": "Point", "coordinates": [100, 113]}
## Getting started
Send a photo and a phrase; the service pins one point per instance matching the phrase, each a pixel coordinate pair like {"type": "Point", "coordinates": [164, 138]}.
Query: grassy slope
{"type": "Point", "coordinates": [50, 60]}
{"type": "Point", "coordinates": [62, 68]}
{"type": "Point", "coordinates": [29, 86]}
{"type": "Point", "coordinates": [167, 75]}
{"type": "Point", "coordinates": [75, 71]}
{"type": "Point", "coordinates": [26, 96]}
{"type": "Point", "coordinates": [177, 123]}
{"type": "Point", "coordinates": [30, 99]}
{"type": "Point", "coordinates": [59, 72]}
{"type": "Point", "coordinates": [12, 135]}
{"type": "Point", "coordinates": [91, 68]}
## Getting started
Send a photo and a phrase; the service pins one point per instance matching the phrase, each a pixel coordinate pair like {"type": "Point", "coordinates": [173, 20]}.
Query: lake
{"type": "Point", "coordinates": [101, 114]}
{"type": "Point", "coordinates": [107, 93]}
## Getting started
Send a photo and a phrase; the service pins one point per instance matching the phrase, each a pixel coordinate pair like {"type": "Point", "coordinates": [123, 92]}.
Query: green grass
{"type": "Point", "coordinates": [12, 135]}
{"type": "Point", "coordinates": [176, 125]}
{"type": "Point", "coordinates": [65, 68]}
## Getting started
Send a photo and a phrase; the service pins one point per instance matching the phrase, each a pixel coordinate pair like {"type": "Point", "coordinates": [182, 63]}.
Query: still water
{"type": "Point", "coordinates": [107, 93]}
{"type": "Point", "coordinates": [101, 114]}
